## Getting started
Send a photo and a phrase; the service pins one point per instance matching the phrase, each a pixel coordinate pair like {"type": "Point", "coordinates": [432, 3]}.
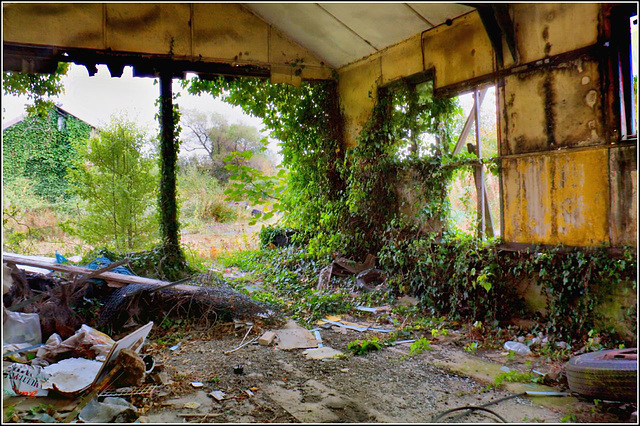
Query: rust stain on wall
{"type": "Point", "coordinates": [624, 195]}
{"type": "Point", "coordinates": [557, 198]}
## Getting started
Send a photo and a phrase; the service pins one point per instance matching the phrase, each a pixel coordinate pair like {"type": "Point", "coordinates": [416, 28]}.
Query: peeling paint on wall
{"type": "Point", "coordinates": [560, 197]}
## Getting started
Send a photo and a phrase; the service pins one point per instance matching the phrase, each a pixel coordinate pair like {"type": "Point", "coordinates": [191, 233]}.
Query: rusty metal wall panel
{"type": "Point", "coordinates": [553, 108]}
{"type": "Point", "coordinates": [545, 29]}
{"type": "Point", "coordinates": [228, 31]}
{"type": "Point", "coordinates": [560, 197]}
{"type": "Point", "coordinates": [78, 25]}
{"type": "Point", "coordinates": [159, 28]}
{"type": "Point", "coordinates": [459, 52]}
{"type": "Point", "coordinates": [623, 174]}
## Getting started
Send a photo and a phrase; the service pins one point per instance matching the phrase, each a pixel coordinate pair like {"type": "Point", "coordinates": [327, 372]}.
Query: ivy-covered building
{"type": "Point", "coordinates": [41, 149]}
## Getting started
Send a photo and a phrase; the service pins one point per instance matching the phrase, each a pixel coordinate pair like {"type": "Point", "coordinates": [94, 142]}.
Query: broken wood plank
{"type": "Point", "coordinates": [18, 259]}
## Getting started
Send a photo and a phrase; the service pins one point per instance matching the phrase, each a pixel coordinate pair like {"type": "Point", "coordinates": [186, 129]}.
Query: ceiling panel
{"type": "Point", "coordinates": [341, 33]}
{"type": "Point", "coordinates": [437, 13]}
{"type": "Point", "coordinates": [314, 29]}
{"type": "Point", "coordinates": [381, 24]}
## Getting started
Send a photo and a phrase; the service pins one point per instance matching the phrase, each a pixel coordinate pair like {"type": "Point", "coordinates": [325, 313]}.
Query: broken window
{"type": "Point", "coordinates": [419, 127]}
{"type": "Point", "coordinates": [476, 137]}
{"type": "Point", "coordinates": [624, 36]}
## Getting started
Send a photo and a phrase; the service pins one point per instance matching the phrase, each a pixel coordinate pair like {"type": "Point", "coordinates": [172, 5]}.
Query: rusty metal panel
{"type": "Point", "coordinates": [458, 52]}
{"type": "Point", "coordinates": [623, 174]}
{"type": "Point", "coordinates": [403, 60]}
{"type": "Point", "coordinates": [357, 91]}
{"type": "Point", "coordinates": [160, 28]}
{"type": "Point", "coordinates": [77, 25]}
{"type": "Point", "coordinates": [228, 31]}
{"type": "Point", "coordinates": [553, 108]}
{"type": "Point", "coordinates": [545, 29]}
{"type": "Point", "coordinates": [557, 198]}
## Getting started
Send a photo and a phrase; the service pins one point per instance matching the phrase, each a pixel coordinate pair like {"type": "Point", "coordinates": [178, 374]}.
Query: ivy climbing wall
{"type": "Point", "coordinates": [566, 178]}
{"type": "Point", "coordinates": [41, 149]}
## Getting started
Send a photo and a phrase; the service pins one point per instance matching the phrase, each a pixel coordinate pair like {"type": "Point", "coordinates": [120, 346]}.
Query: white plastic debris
{"type": "Point", "coordinates": [72, 375]}
{"type": "Point", "coordinates": [517, 347]}
{"type": "Point", "coordinates": [20, 327]}
{"type": "Point", "coordinates": [23, 379]}
{"type": "Point", "coordinates": [104, 412]}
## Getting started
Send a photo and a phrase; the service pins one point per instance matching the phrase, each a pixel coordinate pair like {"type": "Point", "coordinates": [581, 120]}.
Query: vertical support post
{"type": "Point", "coordinates": [479, 173]}
{"type": "Point", "coordinates": [168, 159]}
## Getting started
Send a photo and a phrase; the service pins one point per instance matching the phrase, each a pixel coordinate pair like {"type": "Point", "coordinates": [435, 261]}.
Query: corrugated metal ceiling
{"type": "Point", "coordinates": [341, 33]}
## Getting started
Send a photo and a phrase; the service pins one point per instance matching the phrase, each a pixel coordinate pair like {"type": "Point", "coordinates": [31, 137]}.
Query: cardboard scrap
{"type": "Point", "coordinates": [292, 336]}
{"type": "Point", "coordinates": [218, 395]}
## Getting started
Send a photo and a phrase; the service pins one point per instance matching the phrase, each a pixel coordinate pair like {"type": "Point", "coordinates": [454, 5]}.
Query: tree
{"type": "Point", "coordinates": [115, 179]}
{"type": "Point", "coordinates": [213, 134]}
{"type": "Point", "coordinates": [37, 87]}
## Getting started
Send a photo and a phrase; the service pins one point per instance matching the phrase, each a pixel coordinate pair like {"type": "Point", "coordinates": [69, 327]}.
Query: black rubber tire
{"type": "Point", "coordinates": [610, 379]}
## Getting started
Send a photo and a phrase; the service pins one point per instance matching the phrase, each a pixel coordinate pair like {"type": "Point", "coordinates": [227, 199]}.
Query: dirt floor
{"type": "Point", "coordinates": [285, 387]}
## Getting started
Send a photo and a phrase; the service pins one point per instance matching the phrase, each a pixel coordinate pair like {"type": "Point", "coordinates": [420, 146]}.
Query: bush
{"type": "Point", "coordinates": [202, 198]}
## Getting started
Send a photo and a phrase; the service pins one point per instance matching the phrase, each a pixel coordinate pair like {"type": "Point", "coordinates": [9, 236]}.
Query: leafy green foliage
{"type": "Point", "coordinates": [37, 87]}
{"type": "Point", "coordinates": [362, 347]}
{"type": "Point", "coordinates": [513, 376]}
{"type": "Point", "coordinates": [117, 184]}
{"type": "Point", "coordinates": [419, 346]}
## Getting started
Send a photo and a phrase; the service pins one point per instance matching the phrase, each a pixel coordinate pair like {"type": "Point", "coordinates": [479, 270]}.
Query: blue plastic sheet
{"type": "Point", "coordinates": [98, 263]}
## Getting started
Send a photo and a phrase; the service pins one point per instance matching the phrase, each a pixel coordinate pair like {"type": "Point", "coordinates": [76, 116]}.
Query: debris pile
{"type": "Point", "coordinates": [52, 351]}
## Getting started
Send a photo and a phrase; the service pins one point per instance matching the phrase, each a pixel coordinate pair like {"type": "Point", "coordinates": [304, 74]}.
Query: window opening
{"type": "Point", "coordinates": [467, 214]}
{"type": "Point", "coordinates": [624, 36]}
{"type": "Point", "coordinates": [423, 136]}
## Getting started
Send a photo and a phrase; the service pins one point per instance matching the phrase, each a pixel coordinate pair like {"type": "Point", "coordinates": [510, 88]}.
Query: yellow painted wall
{"type": "Point", "coordinates": [219, 32]}
{"type": "Point", "coordinates": [549, 198]}
{"type": "Point", "coordinates": [560, 197]}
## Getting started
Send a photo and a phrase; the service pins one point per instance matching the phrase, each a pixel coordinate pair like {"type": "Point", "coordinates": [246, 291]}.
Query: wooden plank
{"type": "Point", "coordinates": [467, 125]}
{"type": "Point", "coordinates": [18, 259]}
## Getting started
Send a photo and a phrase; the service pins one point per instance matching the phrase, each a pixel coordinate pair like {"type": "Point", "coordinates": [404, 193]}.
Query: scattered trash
{"type": "Point", "coordinates": [267, 338]}
{"type": "Point", "coordinates": [217, 395]}
{"type": "Point", "coordinates": [343, 267]}
{"type": "Point", "coordinates": [408, 301]}
{"type": "Point", "coordinates": [175, 347]}
{"type": "Point", "coordinates": [369, 279]}
{"type": "Point", "coordinates": [292, 336]}
{"type": "Point", "coordinates": [87, 342]}
{"type": "Point", "coordinates": [144, 390]}
{"type": "Point", "coordinates": [72, 375]}
{"type": "Point", "coordinates": [39, 417]}
{"type": "Point", "coordinates": [149, 363]}
{"type": "Point", "coordinates": [192, 405]}
{"type": "Point", "coordinates": [318, 338]}
{"type": "Point", "coordinates": [106, 411]}
{"type": "Point", "coordinates": [19, 327]}
{"type": "Point", "coordinates": [248, 392]}
{"type": "Point", "coordinates": [25, 380]}
{"type": "Point", "coordinates": [19, 352]}
{"type": "Point", "coordinates": [517, 347]}
{"type": "Point", "coordinates": [321, 353]}
{"type": "Point", "coordinates": [133, 368]}
{"type": "Point", "coordinates": [197, 384]}
{"type": "Point", "coordinates": [353, 326]}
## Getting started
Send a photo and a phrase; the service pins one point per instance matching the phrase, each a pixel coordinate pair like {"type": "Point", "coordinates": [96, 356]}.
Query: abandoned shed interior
{"type": "Point", "coordinates": [561, 73]}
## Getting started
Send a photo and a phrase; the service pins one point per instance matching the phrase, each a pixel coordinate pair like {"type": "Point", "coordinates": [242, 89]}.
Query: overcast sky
{"type": "Point", "coordinates": [95, 99]}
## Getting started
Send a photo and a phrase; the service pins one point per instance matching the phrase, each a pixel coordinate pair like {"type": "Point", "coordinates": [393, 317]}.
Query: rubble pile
{"type": "Point", "coordinates": [58, 345]}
